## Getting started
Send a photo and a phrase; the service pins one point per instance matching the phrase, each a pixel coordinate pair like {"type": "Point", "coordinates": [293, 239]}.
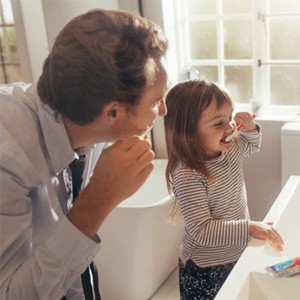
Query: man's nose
{"type": "Point", "coordinates": [162, 109]}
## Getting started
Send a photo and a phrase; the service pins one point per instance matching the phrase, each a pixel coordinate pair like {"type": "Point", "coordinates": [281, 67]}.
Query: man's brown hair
{"type": "Point", "coordinates": [97, 58]}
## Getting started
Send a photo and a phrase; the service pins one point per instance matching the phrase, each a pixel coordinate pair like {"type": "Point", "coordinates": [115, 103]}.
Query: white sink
{"type": "Point", "coordinates": [262, 286]}
{"type": "Point", "coordinates": [249, 278]}
{"type": "Point", "coordinates": [288, 224]}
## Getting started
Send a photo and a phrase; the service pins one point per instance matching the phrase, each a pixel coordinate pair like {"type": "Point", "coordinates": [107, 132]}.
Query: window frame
{"type": "Point", "coordinates": [260, 44]}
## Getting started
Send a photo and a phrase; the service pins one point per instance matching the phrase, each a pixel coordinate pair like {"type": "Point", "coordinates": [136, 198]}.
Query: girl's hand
{"type": "Point", "coordinates": [265, 231]}
{"type": "Point", "coordinates": [246, 119]}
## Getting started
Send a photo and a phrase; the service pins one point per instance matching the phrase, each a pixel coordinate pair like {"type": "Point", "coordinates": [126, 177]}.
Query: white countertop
{"type": "Point", "coordinates": [249, 279]}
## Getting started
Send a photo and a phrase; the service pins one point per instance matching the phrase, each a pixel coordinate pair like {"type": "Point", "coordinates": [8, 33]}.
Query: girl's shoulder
{"type": "Point", "coordinates": [182, 171]}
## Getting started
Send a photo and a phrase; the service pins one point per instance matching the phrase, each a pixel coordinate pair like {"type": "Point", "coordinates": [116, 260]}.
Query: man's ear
{"type": "Point", "coordinates": [113, 111]}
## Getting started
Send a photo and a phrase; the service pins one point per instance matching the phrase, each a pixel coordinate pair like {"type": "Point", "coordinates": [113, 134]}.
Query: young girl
{"type": "Point", "coordinates": [205, 173]}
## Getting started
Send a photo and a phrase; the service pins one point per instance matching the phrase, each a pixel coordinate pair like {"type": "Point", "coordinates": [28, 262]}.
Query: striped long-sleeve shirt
{"type": "Point", "coordinates": [215, 212]}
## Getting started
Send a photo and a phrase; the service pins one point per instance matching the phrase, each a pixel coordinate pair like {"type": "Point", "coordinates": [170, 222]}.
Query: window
{"type": "Point", "coordinates": [250, 46]}
{"type": "Point", "coordinates": [9, 58]}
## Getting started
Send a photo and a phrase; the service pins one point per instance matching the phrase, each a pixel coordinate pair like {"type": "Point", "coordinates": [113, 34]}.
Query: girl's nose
{"type": "Point", "coordinates": [231, 125]}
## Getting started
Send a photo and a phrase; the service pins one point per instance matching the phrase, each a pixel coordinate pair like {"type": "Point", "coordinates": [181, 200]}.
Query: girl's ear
{"type": "Point", "coordinates": [113, 111]}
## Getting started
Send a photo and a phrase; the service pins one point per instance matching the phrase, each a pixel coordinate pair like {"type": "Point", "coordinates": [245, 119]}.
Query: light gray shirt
{"type": "Point", "coordinates": [42, 254]}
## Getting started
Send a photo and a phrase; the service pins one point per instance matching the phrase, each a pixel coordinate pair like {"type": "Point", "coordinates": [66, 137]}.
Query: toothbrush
{"type": "Point", "coordinates": [236, 132]}
{"type": "Point", "coordinates": [145, 133]}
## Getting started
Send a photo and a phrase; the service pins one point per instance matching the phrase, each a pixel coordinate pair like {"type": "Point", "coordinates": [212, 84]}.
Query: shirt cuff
{"type": "Point", "coordinates": [70, 246]}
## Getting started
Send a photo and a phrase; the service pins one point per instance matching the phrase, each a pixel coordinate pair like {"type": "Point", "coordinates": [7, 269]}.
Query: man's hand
{"type": "Point", "coordinates": [119, 172]}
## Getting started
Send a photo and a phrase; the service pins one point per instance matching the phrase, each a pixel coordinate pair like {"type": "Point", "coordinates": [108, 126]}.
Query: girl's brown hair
{"type": "Point", "coordinates": [185, 102]}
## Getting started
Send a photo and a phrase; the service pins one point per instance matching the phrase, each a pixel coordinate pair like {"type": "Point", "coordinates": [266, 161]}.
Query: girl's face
{"type": "Point", "coordinates": [214, 126]}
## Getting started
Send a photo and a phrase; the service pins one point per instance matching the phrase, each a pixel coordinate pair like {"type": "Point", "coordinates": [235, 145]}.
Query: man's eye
{"type": "Point", "coordinates": [157, 104]}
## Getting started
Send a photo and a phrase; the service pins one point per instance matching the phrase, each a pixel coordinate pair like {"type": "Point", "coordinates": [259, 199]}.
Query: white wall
{"type": "Point", "coordinates": [263, 170]}
{"type": "Point", "coordinates": [39, 21]}
{"type": "Point", "coordinates": [58, 12]}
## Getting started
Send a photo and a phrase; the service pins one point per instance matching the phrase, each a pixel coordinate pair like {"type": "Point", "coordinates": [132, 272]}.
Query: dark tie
{"type": "Point", "coordinates": [77, 167]}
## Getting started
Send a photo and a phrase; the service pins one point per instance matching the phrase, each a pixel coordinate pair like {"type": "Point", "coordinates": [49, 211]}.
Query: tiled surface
{"type": "Point", "coordinates": [169, 289]}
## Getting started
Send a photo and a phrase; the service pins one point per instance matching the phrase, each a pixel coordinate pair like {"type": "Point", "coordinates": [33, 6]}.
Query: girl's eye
{"type": "Point", "coordinates": [218, 124]}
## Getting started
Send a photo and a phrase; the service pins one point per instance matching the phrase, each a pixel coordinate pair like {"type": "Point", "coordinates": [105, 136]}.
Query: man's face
{"type": "Point", "coordinates": [139, 118]}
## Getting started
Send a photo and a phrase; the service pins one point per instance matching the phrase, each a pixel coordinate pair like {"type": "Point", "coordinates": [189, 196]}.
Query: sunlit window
{"type": "Point", "coordinates": [251, 46]}
{"type": "Point", "coordinates": [9, 58]}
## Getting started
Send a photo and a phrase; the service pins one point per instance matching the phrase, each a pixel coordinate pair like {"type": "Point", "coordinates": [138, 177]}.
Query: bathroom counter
{"type": "Point", "coordinates": [249, 279]}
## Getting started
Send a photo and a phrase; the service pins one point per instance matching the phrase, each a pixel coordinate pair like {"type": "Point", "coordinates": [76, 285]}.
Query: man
{"type": "Point", "coordinates": [104, 80]}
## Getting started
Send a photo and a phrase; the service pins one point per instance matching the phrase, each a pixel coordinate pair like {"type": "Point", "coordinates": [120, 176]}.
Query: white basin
{"type": "Point", "coordinates": [261, 286]}
{"type": "Point", "coordinates": [249, 278]}
{"type": "Point", "coordinates": [288, 224]}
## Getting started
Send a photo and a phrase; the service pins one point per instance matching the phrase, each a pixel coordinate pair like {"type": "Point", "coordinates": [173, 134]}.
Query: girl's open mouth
{"type": "Point", "coordinates": [224, 141]}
